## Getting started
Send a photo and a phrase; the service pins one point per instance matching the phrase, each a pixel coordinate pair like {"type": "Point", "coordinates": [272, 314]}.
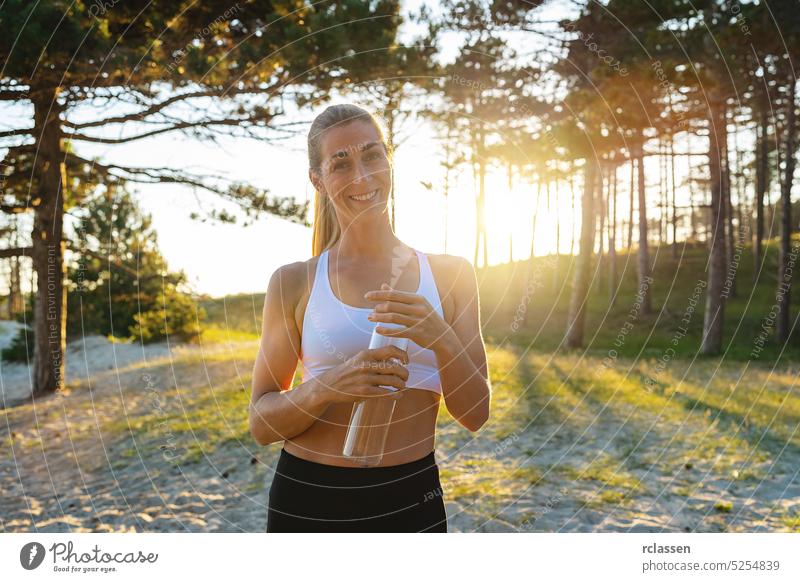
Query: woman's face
{"type": "Point", "coordinates": [355, 171]}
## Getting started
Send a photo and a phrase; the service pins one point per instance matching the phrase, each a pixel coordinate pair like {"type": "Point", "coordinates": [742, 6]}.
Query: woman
{"type": "Point", "coordinates": [324, 310]}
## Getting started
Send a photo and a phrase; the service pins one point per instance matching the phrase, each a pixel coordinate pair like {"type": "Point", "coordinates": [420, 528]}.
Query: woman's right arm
{"type": "Point", "coordinates": [278, 413]}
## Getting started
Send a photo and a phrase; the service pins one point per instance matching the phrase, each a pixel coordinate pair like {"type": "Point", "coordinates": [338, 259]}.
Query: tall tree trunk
{"type": "Point", "coordinates": [529, 274]}
{"type": "Point", "coordinates": [510, 230]}
{"type": "Point", "coordinates": [674, 198]}
{"type": "Point", "coordinates": [48, 247]}
{"type": "Point", "coordinates": [762, 183]}
{"type": "Point", "coordinates": [600, 205]}
{"type": "Point", "coordinates": [730, 248]}
{"type": "Point", "coordinates": [643, 256]}
{"type": "Point", "coordinates": [15, 298]}
{"type": "Point", "coordinates": [714, 313]}
{"type": "Point", "coordinates": [554, 280]}
{"type": "Point", "coordinates": [481, 204]}
{"type": "Point", "coordinates": [572, 225]}
{"type": "Point", "coordinates": [476, 184]}
{"type": "Point", "coordinates": [785, 269]}
{"type": "Point", "coordinates": [631, 204]}
{"type": "Point", "coordinates": [662, 192]}
{"type": "Point", "coordinates": [583, 264]}
{"type": "Point", "coordinates": [612, 238]}
{"type": "Point", "coordinates": [13, 284]}
{"type": "Point", "coordinates": [601, 214]}
{"type": "Point", "coordinates": [741, 186]}
{"type": "Point", "coordinates": [535, 214]}
{"type": "Point", "coordinates": [692, 212]}
{"type": "Point", "coordinates": [482, 210]}
{"type": "Point", "coordinates": [558, 241]}
{"type": "Point", "coordinates": [447, 148]}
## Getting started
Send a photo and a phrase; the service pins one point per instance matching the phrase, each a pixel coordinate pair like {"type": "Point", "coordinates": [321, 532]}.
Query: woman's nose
{"type": "Point", "coordinates": [360, 172]}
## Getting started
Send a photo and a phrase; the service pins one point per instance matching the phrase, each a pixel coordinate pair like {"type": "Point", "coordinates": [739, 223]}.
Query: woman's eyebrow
{"type": "Point", "coordinates": [344, 153]}
{"type": "Point", "coordinates": [369, 145]}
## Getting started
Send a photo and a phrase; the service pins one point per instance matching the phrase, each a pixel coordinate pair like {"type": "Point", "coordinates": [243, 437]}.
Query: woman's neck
{"type": "Point", "coordinates": [367, 242]}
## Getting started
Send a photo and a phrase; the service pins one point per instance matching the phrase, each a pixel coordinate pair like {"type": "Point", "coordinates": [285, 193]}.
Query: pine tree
{"type": "Point", "coordinates": [119, 283]}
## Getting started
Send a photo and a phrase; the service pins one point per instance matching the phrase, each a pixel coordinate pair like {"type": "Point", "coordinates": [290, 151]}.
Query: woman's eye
{"type": "Point", "coordinates": [339, 166]}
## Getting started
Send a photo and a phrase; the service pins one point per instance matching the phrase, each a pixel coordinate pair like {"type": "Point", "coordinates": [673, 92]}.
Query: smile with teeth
{"type": "Point", "coordinates": [367, 196]}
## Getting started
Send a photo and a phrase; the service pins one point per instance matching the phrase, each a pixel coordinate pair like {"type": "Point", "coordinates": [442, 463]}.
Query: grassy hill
{"type": "Point", "coordinates": [678, 298]}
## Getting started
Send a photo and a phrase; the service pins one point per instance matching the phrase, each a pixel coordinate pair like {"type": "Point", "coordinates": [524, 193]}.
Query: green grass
{"type": "Point", "coordinates": [792, 522]}
{"type": "Point", "coordinates": [240, 313]}
{"type": "Point", "coordinates": [723, 506]}
{"type": "Point", "coordinates": [502, 290]}
{"type": "Point", "coordinates": [192, 423]}
{"type": "Point", "coordinates": [218, 334]}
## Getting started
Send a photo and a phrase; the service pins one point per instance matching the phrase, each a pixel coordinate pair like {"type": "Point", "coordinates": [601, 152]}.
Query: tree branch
{"type": "Point", "coordinates": [16, 252]}
{"type": "Point", "coordinates": [15, 132]}
{"type": "Point", "coordinates": [158, 107]}
{"type": "Point", "coordinates": [12, 95]}
{"type": "Point", "coordinates": [14, 208]}
{"type": "Point", "coordinates": [175, 127]}
{"type": "Point", "coordinates": [283, 207]}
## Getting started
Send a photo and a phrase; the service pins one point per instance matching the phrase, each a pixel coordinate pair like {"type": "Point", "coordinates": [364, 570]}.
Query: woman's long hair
{"type": "Point", "coordinates": [326, 230]}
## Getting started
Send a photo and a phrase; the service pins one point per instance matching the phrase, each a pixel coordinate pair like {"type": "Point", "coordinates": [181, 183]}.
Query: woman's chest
{"type": "Point", "coordinates": [443, 288]}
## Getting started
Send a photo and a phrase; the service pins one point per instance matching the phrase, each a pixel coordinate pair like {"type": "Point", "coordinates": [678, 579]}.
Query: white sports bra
{"type": "Point", "coordinates": [334, 331]}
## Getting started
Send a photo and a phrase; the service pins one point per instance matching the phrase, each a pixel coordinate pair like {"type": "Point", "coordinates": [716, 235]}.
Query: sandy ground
{"type": "Point", "coordinates": [86, 357]}
{"type": "Point", "coordinates": [63, 469]}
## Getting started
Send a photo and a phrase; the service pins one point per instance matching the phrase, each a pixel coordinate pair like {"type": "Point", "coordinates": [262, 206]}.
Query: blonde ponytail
{"type": "Point", "coordinates": [325, 231]}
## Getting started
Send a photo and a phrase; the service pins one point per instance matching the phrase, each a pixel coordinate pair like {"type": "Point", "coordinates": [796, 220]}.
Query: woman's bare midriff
{"type": "Point", "coordinates": [411, 432]}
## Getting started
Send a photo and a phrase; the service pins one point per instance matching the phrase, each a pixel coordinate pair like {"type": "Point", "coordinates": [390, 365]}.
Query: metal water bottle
{"type": "Point", "coordinates": [369, 422]}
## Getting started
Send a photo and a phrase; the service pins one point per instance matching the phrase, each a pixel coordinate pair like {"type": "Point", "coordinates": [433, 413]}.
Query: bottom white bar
{"type": "Point", "coordinates": [332, 557]}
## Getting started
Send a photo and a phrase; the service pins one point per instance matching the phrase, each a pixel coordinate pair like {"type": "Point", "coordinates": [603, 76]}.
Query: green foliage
{"type": "Point", "coordinates": [120, 283]}
{"type": "Point", "coordinates": [20, 350]}
{"type": "Point", "coordinates": [178, 317]}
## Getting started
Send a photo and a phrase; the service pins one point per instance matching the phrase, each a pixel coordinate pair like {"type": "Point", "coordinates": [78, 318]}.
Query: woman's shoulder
{"type": "Point", "coordinates": [297, 268]}
{"type": "Point", "coordinates": [456, 277]}
{"type": "Point", "coordinates": [294, 279]}
{"type": "Point", "coordinates": [449, 274]}
{"type": "Point", "coordinates": [449, 267]}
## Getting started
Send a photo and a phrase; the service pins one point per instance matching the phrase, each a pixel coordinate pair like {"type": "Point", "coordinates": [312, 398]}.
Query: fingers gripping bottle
{"type": "Point", "coordinates": [369, 422]}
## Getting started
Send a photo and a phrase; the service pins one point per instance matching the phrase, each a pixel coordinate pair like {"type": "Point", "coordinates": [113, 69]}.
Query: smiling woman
{"type": "Point", "coordinates": [323, 311]}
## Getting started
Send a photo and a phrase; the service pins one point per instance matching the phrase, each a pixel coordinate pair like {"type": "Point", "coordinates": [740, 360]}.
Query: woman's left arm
{"type": "Point", "coordinates": [459, 347]}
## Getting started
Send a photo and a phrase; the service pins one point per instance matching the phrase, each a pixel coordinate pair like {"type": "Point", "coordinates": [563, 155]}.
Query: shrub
{"type": "Point", "coordinates": [176, 317]}
{"type": "Point", "coordinates": [21, 347]}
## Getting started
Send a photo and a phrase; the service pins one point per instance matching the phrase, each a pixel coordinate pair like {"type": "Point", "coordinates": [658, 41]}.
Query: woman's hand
{"type": "Point", "coordinates": [424, 326]}
{"type": "Point", "coordinates": [362, 375]}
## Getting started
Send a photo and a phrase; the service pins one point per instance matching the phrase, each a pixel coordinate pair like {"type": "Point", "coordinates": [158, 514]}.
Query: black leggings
{"type": "Point", "coordinates": [313, 497]}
